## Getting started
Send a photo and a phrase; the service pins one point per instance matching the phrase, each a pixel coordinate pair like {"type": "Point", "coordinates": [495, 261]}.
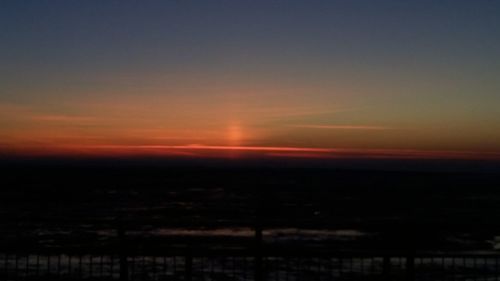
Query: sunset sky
{"type": "Point", "coordinates": [395, 79]}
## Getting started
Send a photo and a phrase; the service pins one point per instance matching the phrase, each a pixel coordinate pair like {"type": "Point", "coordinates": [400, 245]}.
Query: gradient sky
{"type": "Point", "coordinates": [416, 79]}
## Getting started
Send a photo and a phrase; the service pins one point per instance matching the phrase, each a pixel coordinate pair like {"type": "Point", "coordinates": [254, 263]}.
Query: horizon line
{"type": "Point", "coordinates": [209, 151]}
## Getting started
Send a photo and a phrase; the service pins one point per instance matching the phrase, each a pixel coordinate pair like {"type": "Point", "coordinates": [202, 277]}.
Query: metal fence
{"type": "Point", "coordinates": [215, 266]}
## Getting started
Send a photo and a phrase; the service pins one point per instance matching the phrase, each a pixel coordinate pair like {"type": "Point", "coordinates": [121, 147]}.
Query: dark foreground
{"type": "Point", "coordinates": [157, 221]}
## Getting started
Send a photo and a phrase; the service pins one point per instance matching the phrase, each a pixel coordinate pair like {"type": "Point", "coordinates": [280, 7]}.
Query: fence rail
{"type": "Point", "coordinates": [245, 266]}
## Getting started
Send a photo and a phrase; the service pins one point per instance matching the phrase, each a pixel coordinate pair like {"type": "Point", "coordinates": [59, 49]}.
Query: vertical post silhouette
{"type": "Point", "coordinates": [122, 252]}
{"type": "Point", "coordinates": [188, 266]}
{"type": "Point", "coordinates": [258, 253]}
{"type": "Point", "coordinates": [386, 268]}
{"type": "Point", "coordinates": [259, 212]}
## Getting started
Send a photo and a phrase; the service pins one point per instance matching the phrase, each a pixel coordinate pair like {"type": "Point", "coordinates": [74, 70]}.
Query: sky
{"type": "Point", "coordinates": [326, 79]}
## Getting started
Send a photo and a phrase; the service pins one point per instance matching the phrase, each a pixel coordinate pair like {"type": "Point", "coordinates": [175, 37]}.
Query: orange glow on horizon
{"type": "Point", "coordinates": [220, 151]}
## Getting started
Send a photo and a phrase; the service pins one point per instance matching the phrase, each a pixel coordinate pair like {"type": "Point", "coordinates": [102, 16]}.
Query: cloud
{"type": "Point", "coordinates": [10, 109]}
{"type": "Point", "coordinates": [218, 147]}
{"type": "Point", "coordinates": [341, 127]}
{"type": "Point", "coordinates": [63, 118]}
{"type": "Point", "coordinates": [29, 113]}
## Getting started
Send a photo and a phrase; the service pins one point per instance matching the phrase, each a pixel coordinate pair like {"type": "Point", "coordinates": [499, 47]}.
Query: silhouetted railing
{"type": "Point", "coordinates": [243, 265]}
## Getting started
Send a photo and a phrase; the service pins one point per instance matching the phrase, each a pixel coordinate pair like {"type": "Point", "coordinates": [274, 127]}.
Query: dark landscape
{"type": "Point", "coordinates": [158, 208]}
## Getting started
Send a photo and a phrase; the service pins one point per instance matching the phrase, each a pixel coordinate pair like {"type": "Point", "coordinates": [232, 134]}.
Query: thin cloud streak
{"type": "Point", "coordinates": [23, 113]}
{"type": "Point", "coordinates": [199, 150]}
{"type": "Point", "coordinates": [64, 118]}
{"type": "Point", "coordinates": [297, 112]}
{"type": "Point", "coordinates": [342, 127]}
{"type": "Point", "coordinates": [217, 147]}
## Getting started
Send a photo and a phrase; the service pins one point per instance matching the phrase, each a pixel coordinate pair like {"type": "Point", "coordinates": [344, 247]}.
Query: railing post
{"type": "Point", "coordinates": [258, 253]}
{"type": "Point", "coordinates": [410, 267]}
{"type": "Point", "coordinates": [188, 266]}
{"type": "Point", "coordinates": [260, 205]}
{"type": "Point", "coordinates": [386, 268]}
{"type": "Point", "coordinates": [123, 253]}
{"type": "Point", "coordinates": [410, 235]}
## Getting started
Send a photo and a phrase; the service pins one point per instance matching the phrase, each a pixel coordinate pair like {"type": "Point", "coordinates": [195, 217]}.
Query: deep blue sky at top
{"type": "Point", "coordinates": [99, 35]}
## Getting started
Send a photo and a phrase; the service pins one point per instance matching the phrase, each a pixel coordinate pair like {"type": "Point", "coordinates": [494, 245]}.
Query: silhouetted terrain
{"type": "Point", "coordinates": [82, 205]}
